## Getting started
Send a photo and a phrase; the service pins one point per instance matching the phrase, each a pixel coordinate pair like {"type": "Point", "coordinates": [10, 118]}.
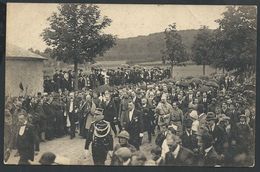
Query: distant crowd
{"type": "Point", "coordinates": [64, 80]}
{"type": "Point", "coordinates": [194, 122]}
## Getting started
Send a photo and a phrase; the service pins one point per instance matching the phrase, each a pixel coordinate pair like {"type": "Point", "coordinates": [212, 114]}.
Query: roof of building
{"type": "Point", "coordinates": [15, 52]}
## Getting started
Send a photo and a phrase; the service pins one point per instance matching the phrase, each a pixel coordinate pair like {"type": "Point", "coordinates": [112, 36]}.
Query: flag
{"type": "Point", "coordinates": [21, 86]}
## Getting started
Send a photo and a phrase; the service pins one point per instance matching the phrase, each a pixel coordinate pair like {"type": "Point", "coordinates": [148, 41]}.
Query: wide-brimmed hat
{"type": "Point", "coordinates": [211, 116]}
{"type": "Point", "coordinates": [194, 114]}
{"type": "Point", "coordinates": [187, 123]}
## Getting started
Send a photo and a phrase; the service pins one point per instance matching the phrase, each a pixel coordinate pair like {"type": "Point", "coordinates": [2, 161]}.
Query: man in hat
{"type": "Point", "coordinates": [132, 122]}
{"type": "Point", "coordinates": [189, 139]}
{"type": "Point", "coordinates": [101, 138]}
{"type": "Point", "coordinates": [211, 124]}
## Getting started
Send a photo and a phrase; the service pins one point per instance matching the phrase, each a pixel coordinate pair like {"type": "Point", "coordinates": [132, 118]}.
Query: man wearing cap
{"type": "Point", "coordinates": [122, 157]}
{"type": "Point", "coordinates": [101, 138]}
{"type": "Point", "coordinates": [132, 122]}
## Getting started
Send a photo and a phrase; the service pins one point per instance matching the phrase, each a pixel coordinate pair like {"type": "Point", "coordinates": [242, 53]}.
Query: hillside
{"type": "Point", "coordinates": [145, 48]}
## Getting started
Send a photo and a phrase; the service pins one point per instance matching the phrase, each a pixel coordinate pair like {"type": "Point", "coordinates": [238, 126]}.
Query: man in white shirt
{"type": "Point", "coordinates": [132, 122]}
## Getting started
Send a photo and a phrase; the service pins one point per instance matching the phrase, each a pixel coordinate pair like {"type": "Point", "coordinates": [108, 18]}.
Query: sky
{"type": "Point", "coordinates": [25, 21]}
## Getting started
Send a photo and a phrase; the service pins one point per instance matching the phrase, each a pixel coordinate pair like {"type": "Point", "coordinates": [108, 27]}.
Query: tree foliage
{"type": "Point", "coordinates": [201, 46]}
{"type": "Point", "coordinates": [76, 34]}
{"type": "Point", "coordinates": [174, 51]}
{"type": "Point", "coordinates": [234, 42]}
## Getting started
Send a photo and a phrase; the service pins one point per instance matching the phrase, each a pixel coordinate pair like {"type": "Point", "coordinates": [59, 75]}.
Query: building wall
{"type": "Point", "coordinates": [28, 72]}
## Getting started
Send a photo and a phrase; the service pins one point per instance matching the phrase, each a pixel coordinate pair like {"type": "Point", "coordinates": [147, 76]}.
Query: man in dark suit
{"type": "Point", "coordinates": [189, 138]}
{"type": "Point", "coordinates": [110, 112]}
{"type": "Point", "coordinates": [209, 156]}
{"type": "Point", "coordinates": [204, 100]}
{"type": "Point", "coordinates": [132, 122]}
{"type": "Point", "coordinates": [178, 155]}
{"type": "Point", "coordinates": [71, 110]}
{"type": "Point", "coordinates": [233, 114]}
{"type": "Point", "coordinates": [148, 118]}
{"type": "Point", "coordinates": [25, 141]}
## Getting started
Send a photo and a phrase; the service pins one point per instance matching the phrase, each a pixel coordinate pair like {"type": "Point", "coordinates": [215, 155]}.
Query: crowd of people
{"type": "Point", "coordinates": [64, 80]}
{"type": "Point", "coordinates": [191, 122]}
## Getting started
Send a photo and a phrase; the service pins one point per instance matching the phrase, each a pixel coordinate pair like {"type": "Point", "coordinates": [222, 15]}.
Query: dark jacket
{"type": "Point", "coordinates": [25, 142]}
{"type": "Point", "coordinates": [185, 157]}
{"type": "Point", "coordinates": [109, 110]}
{"type": "Point", "coordinates": [211, 158]}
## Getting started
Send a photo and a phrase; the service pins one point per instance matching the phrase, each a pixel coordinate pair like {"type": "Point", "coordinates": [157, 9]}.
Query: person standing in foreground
{"type": "Point", "coordinates": [132, 122]}
{"type": "Point", "coordinates": [25, 141]}
{"type": "Point", "coordinates": [101, 138]}
{"type": "Point", "coordinates": [178, 155]}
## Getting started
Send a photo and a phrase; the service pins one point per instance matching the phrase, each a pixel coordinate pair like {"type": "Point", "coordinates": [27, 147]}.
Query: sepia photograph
{"type": "Point", "coordinates": [130, 84]}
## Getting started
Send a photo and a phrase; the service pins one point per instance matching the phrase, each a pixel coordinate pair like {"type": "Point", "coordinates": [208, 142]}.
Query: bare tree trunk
{"type": "Point", "coordinates": [76, 75]}
{"type": "Point", "coordinates": [171, 70]}
{"type": "Point", "coordinates": [204, 69]}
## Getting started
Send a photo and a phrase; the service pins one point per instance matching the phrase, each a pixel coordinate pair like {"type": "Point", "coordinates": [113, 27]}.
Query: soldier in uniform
{"type": "Point", "coordinates": [101, 138]}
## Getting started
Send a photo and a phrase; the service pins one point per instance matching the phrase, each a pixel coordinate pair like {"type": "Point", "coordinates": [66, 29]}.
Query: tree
{"type": "Point", "coordinates": [175, 49]}
{"type": "Point", "coordinates": [75, 35]}
{"type": "Point", "coordinates": [234, 42]}
{"type": "Point", "coordinates": [201, 47]}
